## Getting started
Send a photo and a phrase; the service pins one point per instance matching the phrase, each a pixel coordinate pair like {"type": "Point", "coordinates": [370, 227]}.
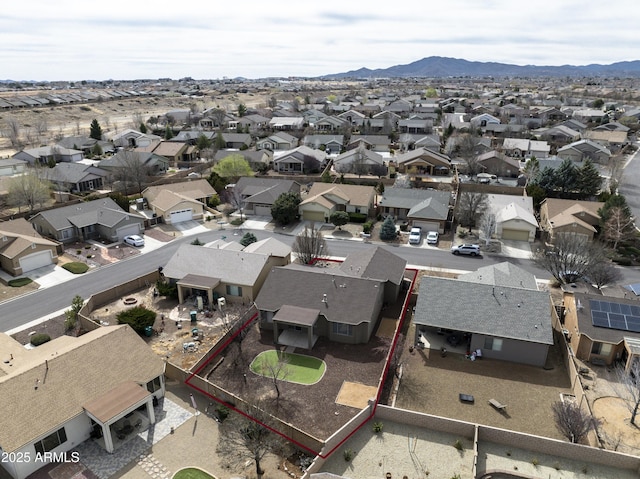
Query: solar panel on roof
{"type": "Point", "coordinates": [635, 288]}
{"type": "Point", "coordinates": [635, 310]}
{"type": "Point", "coordinates": [625, 309]}
{"type": "Point", "coordinates": [614, 307]}
{"type": "Point", "coordinates": [600, 322]}
{"type": "Point", "coordinates": [624, 317]}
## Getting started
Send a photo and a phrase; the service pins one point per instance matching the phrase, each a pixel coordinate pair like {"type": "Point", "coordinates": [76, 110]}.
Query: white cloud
{"type": "Point", "coordinates": [72, 39]}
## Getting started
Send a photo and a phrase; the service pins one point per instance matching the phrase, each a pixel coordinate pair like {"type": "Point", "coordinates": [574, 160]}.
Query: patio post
{"type": "Point", "coordinates": [108, 440]}
{"type": "Point", "coordinates": [150, 412]}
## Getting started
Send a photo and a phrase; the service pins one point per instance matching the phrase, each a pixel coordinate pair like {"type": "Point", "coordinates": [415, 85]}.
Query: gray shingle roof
{"type": "Point", "coordinates": [499, 311]}
{"type": "Point", "coordinates": [375, 263]}
{"type": "Point", "coordinates": [419, 201]}
{"type": "Point", "coordinates": [502, 274]}
{"type": "Point", "coordinates": [103, 211]}
{"type": "Point", "coordinates": [349, 300]}
{"type": "Point", "coordinates": [234, 267]}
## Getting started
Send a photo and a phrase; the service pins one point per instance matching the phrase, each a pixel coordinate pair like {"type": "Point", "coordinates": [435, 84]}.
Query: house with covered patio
{"type": "Point", "coordinates": [100, 386]}
{"type": "Point", "coordinates": [424, 162]}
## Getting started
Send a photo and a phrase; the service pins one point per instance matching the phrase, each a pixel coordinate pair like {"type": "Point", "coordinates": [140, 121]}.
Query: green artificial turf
{"type": "Point", "coordinates": [76, 267]}
{"type": "Point", "coordinates": [16, 283]}
{"type": "Point", "coordinates": [296, 369]}
{"type": "Point", "coordinates": [192, 473]}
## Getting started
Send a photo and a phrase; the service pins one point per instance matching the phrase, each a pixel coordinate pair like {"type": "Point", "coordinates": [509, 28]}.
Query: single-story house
{"type": "Point", "coordinates": [259, 194]}
{"type": "Point", "coordinates": [214, 273]}
{"type": "Point", "coordinates": [559, 216]}
{"type": "Point", "coordinates": [75, 177]}
{"type": "Point", "coordinates": [340, 307]}
{"type": "Point", "coordinates": [287, 123]}
{"type": "Point", "coordinates": [178, 202]}
{"type": "Point", "coordinates": [379, 143]}
{"type": "Point", "coordinates": [602, 329]}
{"type": "Point", "coordinates": [86, 144]}
{"type": "Point", "coordinates": [559, 134]}
{"type": "Point", "coordinates": [360, 161]}
{"type": "Point", "coordinates": [300, 160]}
{"type": "Point", "coordinates": [503, 322]}
{"type": "Point", "coordinates": [12, 166]}
{"type": "Point", "coordinates": [175, 151]}
{"type": "Point", "coordinates": [122, 160]}
{"type": "Point", "coordinates": [256, 159]}
{"type": "Point", "coordinates": [324, 199]}
{"type": "Point", "coordinates": [423, 161]}
{"type": "Point", "coordinates": [278, 141]}
{"type": "Point", "coordinates": [523, 148]}
{"type": "Point", "coordinates": [42, 155]}
{"type": "Point", "coordinates": [101, 218]}
{"type": "Point", "coordinates": [133, 139]}
{"type": "Point", "coordinates": [409, 141]}
{"type": "Point", "coordinates": [329, 124]}
{"type": "Point", "coordinates": [428, 209]}
{"type": "Point", "coordinates": [236, 140]}
{"type": "Point", "coordinates": [22, 249]}
{"type": "Point", "coordinates": [504, 274]}
{"type": "Point", "coordinates": [72, 389]}
{"type": "Point", "coordinates": [331, 143]}
{"type": "Point", "coordinates": [583, 149]}
{"type": "Point", "coordinates": [483, 120]}
{"type": "Point", "coordinates": [279, 253]}
{"type": "Point", "coordinates": [495, 163]}
{"type": "Point", "coordinates": [514, 217]}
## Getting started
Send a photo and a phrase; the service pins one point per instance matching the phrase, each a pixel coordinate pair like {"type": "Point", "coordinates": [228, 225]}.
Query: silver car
{"type": "Point", "coordinates": [468, 249]}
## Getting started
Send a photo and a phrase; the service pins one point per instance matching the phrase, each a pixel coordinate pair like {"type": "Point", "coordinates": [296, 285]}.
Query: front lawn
{"type": "Point", "coordinates": [19, 282]}
{"type": "Point", "coordinates": [76, 267]}
{"type": "Point", "coordinates": [297, 368]}
{"type": "Point", "coordinates": [192, 473]}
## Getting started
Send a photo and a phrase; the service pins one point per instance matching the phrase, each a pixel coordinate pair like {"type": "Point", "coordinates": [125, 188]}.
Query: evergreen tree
{"type": "Point", "coordinates": [220, 144]}
{"type": "Point", "coordinates": [247, 239]}
{"type": "Point", "coordinates": [567, 177]}
{"type": "Point", "coordinates": [285, 208]}
{"type": "Point", "coordinates": [589, 180]}
{"type": "Point", "coordinates": [168, 133]}
{"type": "Point", "coordinates": [339, 218]}
{"type": "Point", "coordinates": [143, 128]}
{"type": "Point", "coordinates": [614, 201]}
{"type": "Point", "coordinates": [388, 229]}
{"type": "Point", "coordinates": [242, 110]}
{"type": "Point", "coordinates": [96, 150]}
{"type": "Point", "coordinates": [95, 130]}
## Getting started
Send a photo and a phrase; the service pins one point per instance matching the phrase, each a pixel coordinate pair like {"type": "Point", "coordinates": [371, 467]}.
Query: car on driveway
{"type": "Point", "coordinates": [432, 237]}
{"type": "Point", "coordinates": [468, 249]}
{"type": "Point", "coordinates": [134, 240]}
{"type": "Point", "coordinates": [415, 235]}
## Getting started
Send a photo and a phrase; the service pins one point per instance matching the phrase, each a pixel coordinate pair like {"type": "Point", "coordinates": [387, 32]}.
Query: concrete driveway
{"type": "Point", "coordinates": [188, 228]}
{"type": "Point", "coordinates": [256, 222]}
{"type": "Point", "coordinates": [516, 249]}
{"type": "Point", "coordinates": [50, 275]}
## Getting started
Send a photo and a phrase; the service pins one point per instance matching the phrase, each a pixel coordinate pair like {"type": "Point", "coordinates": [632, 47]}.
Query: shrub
{"type": "Point", "coordinates": [535, 461]}
{"type": "Point", "coordinates": [377, 427]}
{"type": "Point", "coordinates": [367, 227]}
{"type": "Point", "coordinates": [622, 261]}
{"type": "Point", "coordinates": [40, 338]}
{"type": "Point", "coordinates": [137, 317]}
{"type": "Point", "coordinates": [247, 239]}
{"type": "Point", "coordinates": [197, 242]}
{"type": "Point", "coordinates": [222, 411]}
{"type": "Point", "coordinates": [76, 268]}
{"type": "Point", "coordinates": [357, 217]}
{"type": "Point", "coordinates": [18, 282]}
{"type": "Point", "coordinates": [348, 454]}
{"type": "Point", "coordinates": [167, 289]}
{"type": "Point", "coordinates": [458, 445]}
{"type": "Point", "coordinates": [237, 222]}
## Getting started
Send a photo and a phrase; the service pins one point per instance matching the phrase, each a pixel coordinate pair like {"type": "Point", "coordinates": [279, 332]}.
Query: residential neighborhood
{"type": "Point", "coordinates": [446, 269]}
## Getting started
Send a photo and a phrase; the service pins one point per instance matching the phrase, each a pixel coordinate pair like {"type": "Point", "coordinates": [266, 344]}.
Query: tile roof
{"type": "Point", "coordinates": [499, 311]}
{"type": "Point", "coordinates": [48, 385]}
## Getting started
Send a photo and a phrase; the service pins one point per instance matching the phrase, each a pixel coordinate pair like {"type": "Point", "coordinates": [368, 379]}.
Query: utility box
{"type": "Point", "coordinates": [194, 316]}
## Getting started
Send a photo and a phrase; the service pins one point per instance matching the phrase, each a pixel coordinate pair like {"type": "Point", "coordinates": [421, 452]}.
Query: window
{"type": "Point", "coordinates": [234, 290]}
{"type": "Point", "coordinates": [602, 349]}
{"type": "Point", "coordinates": [342, 329]}
{"type": "Point", "coordinates": [52, 441]}
{"type": "Point", "coordinates": [493, 344]}
{"type": "Point", "coordinates": [154, 385]}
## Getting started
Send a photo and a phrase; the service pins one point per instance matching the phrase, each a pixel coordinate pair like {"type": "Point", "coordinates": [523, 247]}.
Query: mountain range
{"type": "Point", "coordinates": [441, 67]}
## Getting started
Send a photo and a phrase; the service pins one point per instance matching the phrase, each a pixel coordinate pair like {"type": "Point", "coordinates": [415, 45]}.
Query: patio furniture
{"type": "Point", "coordinates": [497, 404]}
{"type": "Point", "coordinates": [468, 398]}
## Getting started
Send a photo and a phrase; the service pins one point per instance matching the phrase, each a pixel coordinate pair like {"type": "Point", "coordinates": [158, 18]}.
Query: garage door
{"type": "Point", "coordinates": [427, 226]}
{"type": "Point", "coordinates": [181, 215]}
{"type": "Point", "coordinates": [263, 210]}
{"type": "Point", "coordinates": [35, 260]}
{"type": "Point", "coordinates": [127, 230]}
{"type": "Point", "coordinates": [313, 216]}
{"type": "Point", "coordinates": [517, 235]}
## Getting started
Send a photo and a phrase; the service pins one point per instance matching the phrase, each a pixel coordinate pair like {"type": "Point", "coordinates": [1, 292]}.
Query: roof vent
{"type": "Point", "coordinates": [324, 298]}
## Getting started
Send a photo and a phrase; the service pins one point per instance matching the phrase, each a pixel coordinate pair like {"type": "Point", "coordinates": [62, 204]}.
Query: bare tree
{"type": "Point", "coordinates": [248, 436]}
{"type": "Point", "coordinates": [41, 127]}
{"type": "Point", "coordinates": [570, 257]}
{"type": "Point", "coordinates": [219, 115]}
{"type": "Point", "coordinates": [572, 421]}
{"type": "Point", "coordinates": [620, 226]}
{"type": "Point", "coordinates": [603, 273]}
{"type": "Point", "coordinates": [28, 190]}
{"type": "Point", "coordinates": [136, 120]}
{"type": "Point", "coordinates": [235, 199]}
{"type": "Point", "coordinates": [488, 226]}
{"type": "Point", "coordinates": [470, 206]}
{"type": "Point", "coordinates": [131, 169]}
{"type": "Point", "coordinates": [467, 149]}
{"type": "Point", "coordinates": [310, 245]}
{"type": "Point", "coordinates": [628, 387]}
{"type": "Point", "coordinates": [276, 370]}
{"type": "Point", "coordinates": [359, 165]}
{"type": "Point", "coordinates": [13, 132]}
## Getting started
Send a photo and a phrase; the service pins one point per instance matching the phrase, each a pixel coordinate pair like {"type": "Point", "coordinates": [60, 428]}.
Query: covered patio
{"type": "Point", "coordinates": [197, 282]}
{"type": "Point", "coordinates": [118, 415]}
{"type": "Point", "coordinates": [293, 326]}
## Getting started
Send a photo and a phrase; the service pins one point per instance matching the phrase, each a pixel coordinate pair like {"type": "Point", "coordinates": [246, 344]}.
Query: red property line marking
{"type": "Point", "coordinates": [293, 441]}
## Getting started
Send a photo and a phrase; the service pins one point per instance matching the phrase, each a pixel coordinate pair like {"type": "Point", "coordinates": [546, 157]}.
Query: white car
{"type": "Point", "coordinates": [134, 240]}
{"type": "Point", "coordinates": [415, 235]}
{"type": "Point", "coordinates": [432, 237]}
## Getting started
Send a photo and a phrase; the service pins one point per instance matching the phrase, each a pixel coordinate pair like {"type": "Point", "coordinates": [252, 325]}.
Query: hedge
{"type": "Point", "coordinates": [76, 267]}
{"type": "Point", "coordinates": [357, 217]}
{"type": "Point", "coordinates": [137, 317]}
{"type": "Point", "coordinates": [16, 283]}
{"type": "Point", "coordinates": [40, 338]}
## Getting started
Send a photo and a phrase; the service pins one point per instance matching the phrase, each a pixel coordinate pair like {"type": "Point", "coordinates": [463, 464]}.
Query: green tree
{"type": "Point", "coordinates": [220, 144]}
{"type": "Point", "coordinates": [217, 182]}
{"type": "Point", "coordinates": [168, 133]}
{"type": "Point", "coordinates": [589, 180]}
{"type": "Point", "coordinates": [326, 176]}
{"type": "Point", "coordinates": [71, 315]}
{"type": "Point", "coordinates": [137, 317]}
{"type": "Point", "coordinates": [430, 93]}
{"type": "Point", "coordinates": [567, 177]}
{"type": "Point", "coordinates": [339, 218]}
{"type": "Point", "coordinates": [548, 181]}
{"type": "Point", "coordinates": [96, 150]}
{"type": "Point", "coordinates": [242, 110]}
{"type": "Point", "coordinates": [614, 201]}
{"type": "Point", "coordinates": [388, 230]}
{"type": "Point", "coordinates": [203, 143]}
{"type": "Point", "coordinates": [599, 103]}
{"type": "Point", "coordinates": [121, 200]}
{"type": "Point", "coordinates": [142, 128]}
{"type": "Point", "coordinates": [285, 208]}
{"type": "Point", "coordinates": [95, 130]}
{"type": "Point", "coordinates": [247, 239]}
{"type": "Point", "coordinates": [233, 167]}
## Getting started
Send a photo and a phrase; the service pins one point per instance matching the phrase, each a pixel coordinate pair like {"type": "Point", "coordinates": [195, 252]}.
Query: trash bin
{"type": "Point", "coordinates": [194, 316]}
{"type": "Point", "coordinates": [148, 331]}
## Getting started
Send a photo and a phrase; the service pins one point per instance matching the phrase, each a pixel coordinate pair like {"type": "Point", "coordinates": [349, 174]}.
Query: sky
{"type": "Point", "coordinates": [47, 40]}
